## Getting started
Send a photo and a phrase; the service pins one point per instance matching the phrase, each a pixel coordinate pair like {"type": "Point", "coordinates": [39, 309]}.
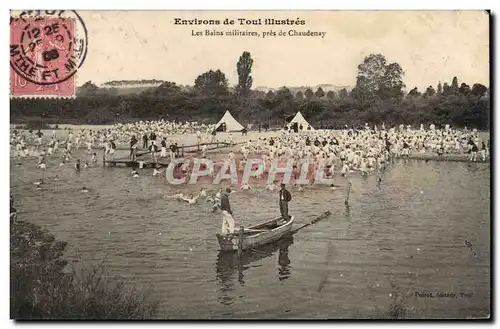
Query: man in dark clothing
{"type": "Point", "coordinates": [152, 137]}
{"type": "Point", "coordinates": [133, 147]}
{"type": "Point", "coordinates": [285, 197]}
{"type": "Point", "coordinates": [145, 141]}
{"type": "Point", "coordinates": [173, 148]}
{"type": "Point", "coordinates": [178, 150]}
{"type": "Point", "coordinates": [224, 201]}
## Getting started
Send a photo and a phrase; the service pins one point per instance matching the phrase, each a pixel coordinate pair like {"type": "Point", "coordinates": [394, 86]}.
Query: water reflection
{"type": "Point", "coordinates": [284, 270]}
{"type": "Point", "coordinates": [230, 267]}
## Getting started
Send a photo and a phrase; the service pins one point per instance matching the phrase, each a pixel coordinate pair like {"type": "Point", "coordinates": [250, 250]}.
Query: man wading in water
{"type": "Point", "coordinates": [227, 214]}
{"type": "Point", "coordinates": [285, 197]}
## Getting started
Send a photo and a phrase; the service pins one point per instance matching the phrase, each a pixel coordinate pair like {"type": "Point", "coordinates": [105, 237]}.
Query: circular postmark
{"type": "Point", "coordinates": [47, 47]}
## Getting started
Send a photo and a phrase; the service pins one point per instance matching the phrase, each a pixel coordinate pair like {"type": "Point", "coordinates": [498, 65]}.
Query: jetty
{"type": "Point", "coordinates": [182, 150]}
{"type": "Point", "coordinates": [449, 157]}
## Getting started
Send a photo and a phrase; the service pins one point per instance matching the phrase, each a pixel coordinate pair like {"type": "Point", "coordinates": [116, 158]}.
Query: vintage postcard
{"type": "Point", "coordinates": [250, 164]}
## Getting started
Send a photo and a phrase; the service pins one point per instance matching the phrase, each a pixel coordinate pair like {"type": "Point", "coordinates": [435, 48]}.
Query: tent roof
{"type": "Point", "coordinates": [231, 123]}
{"type": "Point", "coordinates": [299, 118]}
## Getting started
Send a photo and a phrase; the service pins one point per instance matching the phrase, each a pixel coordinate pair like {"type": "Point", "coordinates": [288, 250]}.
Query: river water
{"type": "Point", "coordinates": [405, 235]}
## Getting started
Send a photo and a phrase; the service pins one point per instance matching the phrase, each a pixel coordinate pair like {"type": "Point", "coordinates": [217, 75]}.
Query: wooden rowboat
{"type": "Point", "coordinates": [256, 235]}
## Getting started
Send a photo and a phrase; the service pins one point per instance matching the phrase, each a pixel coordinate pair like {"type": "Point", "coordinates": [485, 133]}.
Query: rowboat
{"type": "Point", "coordinates": [256, 235]}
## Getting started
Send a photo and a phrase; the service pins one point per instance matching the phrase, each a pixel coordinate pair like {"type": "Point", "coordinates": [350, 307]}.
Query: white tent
{"type": "Point", "coordinates": [299, 118]}
{"type": "Point", "coordinates": [230, 121]}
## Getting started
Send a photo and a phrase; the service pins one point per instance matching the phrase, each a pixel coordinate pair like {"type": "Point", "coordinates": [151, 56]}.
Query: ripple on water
{"type": "Point", "coordinates": [409, 229]}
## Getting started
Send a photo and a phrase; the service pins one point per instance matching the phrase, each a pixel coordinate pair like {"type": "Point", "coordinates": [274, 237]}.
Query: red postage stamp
{"type": "Point", "coordinates": [46, 50]}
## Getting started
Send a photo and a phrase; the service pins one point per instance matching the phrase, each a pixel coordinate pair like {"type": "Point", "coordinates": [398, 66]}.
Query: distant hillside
{"type": "Point", "coordinates": [126, 87]}
{"type": "Point", "coordinates": [326, 88]}
{"type": "Point", "coordinates": [124, 83]}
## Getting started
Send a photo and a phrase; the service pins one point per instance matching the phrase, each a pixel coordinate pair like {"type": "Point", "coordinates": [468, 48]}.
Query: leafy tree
{"type": "Point", "coordinates": [439, 88]}
{"type": "Point", "coordinates": [284, 100]}
{"type": "Point", "coordinates": [446, 89]}
{"type": "Point", "coordinates": [429, 92]}
{"type": "Point", "coordinates": [478, 89]}
{"type": "Point", "coordinates": [270, 95]}
{"type": "Point", "coordinates": [309, 94]}
{"type": "Point", "coordinates": [392, 82]}
{"type": "Point", "coordinates": [299, 96]}
{"type": "Point", "coordinates": [370, 73]}
{"type": "Point", "coordinates": [167, 89]}
{"type": "Point", "coordinates": [464, 89]}
{"type": "Point", "coordinates": [454, 86]}
{"type": "Point", "coordinates": [319, 93]}
{"type": "Point", "coordinates": [343, 94]}
{"type": "Point", "coordinates": [244, 68]}
{"type": "Point", "coordinates": [284, 94]}
{"type": "Point", "coordinates": [377, 79]}
{"type": "Point", "coordinates": [330, 95]}
{"type": "Point", "coordinates": [211, 83]}
{"type": "Point", "coordinates": [414, 93]}
{"type": "Point", "coordinates": [87, 89]}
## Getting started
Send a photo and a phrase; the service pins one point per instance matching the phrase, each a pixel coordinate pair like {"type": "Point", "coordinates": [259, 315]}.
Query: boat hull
{"type": "Point", "coordinates": [230, 242]}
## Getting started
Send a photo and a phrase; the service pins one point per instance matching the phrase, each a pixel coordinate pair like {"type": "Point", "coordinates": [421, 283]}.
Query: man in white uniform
{"type": "Point", "coordinates": [227, 214]}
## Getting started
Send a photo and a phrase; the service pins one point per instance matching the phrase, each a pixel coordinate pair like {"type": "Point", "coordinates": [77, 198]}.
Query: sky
{"type": "Point", "coordinates": [431, 46]}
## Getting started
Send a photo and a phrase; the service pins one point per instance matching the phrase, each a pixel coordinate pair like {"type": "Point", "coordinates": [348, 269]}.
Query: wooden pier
{"type": "Point", "coordinates": [450, 157]}
{"type": "Point", "coordinates": [163, 162]}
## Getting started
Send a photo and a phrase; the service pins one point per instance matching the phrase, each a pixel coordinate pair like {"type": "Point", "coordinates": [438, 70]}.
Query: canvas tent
{"type": "Point", "coordinates": [230, 123]}
{"type": "Point", "coordinates": [299, 120]}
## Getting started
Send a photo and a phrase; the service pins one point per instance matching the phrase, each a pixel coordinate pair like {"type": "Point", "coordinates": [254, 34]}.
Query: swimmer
{"type": "Point", "coordinates": [135, 174]}
{"type": "Point", "coordinates": [63, 163]}
{"type": "Point", "coordinates": [86, 165]}
{"type": "Point", "coordinates": [192, 199]}
{"type": "Point", "coordinates": [42, 165]}
{"type": "Point", "coordinates": [84, 190]}
{"type": "Point", "coordinates": [39, 182]}
{"type": "Point", "coordinates": [56, 178]}
{"type": "Point", "coordinates": [218, 194]}
{"type": "Point", "coordinates": [271, 187]}
{"type": "Point", "coordinates": [156, 172]}
{"type": "Point", "coordinates": [175, 196]}
{"type": "Point", "coordinates": [245, 186]}
{"type": "Point", "coordinates": [215, 203]}
{"type": "Point", "coordinates": [203, 193]}
{"type": "Point", "coordinates": [77, 165]}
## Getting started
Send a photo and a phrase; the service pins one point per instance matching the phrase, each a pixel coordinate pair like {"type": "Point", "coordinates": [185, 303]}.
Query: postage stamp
{"type": "Point", "coordinates": [46, 50]}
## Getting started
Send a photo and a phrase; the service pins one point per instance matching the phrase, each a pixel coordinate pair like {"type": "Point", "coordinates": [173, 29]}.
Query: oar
{"type": "Point", "coordinates": [346, 202]}
{"type": "Point", "coordinates": [317, 219]}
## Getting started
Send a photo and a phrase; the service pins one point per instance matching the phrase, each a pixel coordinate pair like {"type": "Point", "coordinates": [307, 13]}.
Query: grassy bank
{"type": "Point", "coordinates": [41, 287]}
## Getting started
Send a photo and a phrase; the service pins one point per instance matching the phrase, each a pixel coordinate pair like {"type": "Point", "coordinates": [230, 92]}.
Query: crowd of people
{"type": "Point", "coordinates": [343, 152]}
{"type": "Point", "coordinates": [152, 134]}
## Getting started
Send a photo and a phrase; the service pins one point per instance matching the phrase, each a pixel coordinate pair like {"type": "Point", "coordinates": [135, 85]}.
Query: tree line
{"type": "Point", "coordinates": [378, 97]}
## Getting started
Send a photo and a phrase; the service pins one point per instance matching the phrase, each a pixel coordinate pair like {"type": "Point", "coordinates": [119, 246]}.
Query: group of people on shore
{"type": "Point", "coordinates": [366, 150]}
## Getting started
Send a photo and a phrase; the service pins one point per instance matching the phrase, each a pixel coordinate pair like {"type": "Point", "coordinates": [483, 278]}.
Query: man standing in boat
{"type": "Point", "coordinates": [227, 214]}
{"type": "Point", "coordinates": [285, 197]}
